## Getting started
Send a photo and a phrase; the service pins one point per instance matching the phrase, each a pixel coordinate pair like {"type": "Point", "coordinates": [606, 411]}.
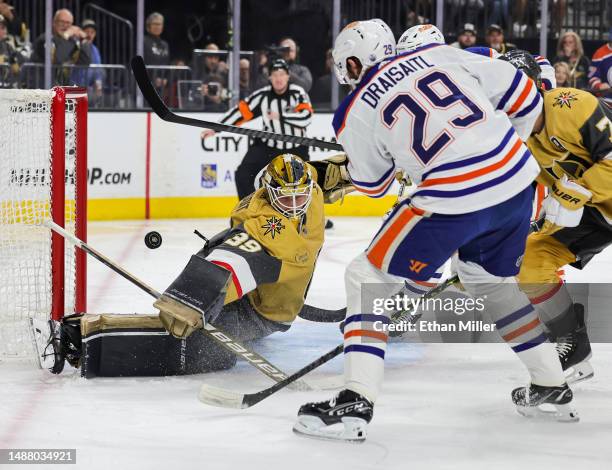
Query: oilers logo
{"type": "Point", "coordinates": [209, 175]}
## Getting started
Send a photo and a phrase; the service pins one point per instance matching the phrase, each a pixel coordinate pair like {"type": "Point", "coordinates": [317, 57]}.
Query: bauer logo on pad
{"type": "Point", "coordinates": [209, 175]}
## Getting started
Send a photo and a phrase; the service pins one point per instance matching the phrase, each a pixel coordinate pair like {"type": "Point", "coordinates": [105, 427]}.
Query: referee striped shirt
{"type": "Point", "coordinates": [293, 107]}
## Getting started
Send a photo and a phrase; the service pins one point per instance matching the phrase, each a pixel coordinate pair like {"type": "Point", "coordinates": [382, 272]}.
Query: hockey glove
{"type": "Point", "coordinates": [564, 205]}
{"type": "Point", "coordinates": [333, 177]}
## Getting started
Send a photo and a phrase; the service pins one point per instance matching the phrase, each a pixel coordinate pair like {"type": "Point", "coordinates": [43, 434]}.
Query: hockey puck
{"type": "Point", "coordinates": [153, 240]}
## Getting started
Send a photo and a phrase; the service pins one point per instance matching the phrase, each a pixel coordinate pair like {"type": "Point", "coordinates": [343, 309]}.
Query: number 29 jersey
{"type": "Point", "coordinates": [454, 121]}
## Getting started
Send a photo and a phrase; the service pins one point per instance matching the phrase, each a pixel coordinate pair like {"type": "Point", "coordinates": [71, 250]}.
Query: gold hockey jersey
{"type": "Point", "coordinates": [576, 140]}
{"type": "Point", "coordinates": [271, 257]}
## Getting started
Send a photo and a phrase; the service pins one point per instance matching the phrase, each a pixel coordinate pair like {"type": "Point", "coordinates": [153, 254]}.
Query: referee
{"type": "Point", "coordinates": [284, 108]}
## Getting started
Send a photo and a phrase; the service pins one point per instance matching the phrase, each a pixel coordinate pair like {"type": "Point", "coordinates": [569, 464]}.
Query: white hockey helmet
{"type": "Point", "coordinates": [418, 36]}
{"type": "Point", "coordinates": [369, 41]}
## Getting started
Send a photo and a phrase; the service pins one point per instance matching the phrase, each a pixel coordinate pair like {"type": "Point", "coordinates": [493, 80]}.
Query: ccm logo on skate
{"type": "Point", "coordinates": [347, 409]}
{"type": "Point", "coordinates": [248, 356]}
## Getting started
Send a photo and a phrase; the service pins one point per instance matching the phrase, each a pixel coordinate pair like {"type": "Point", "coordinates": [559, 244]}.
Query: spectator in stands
{"type": "Point", "coordinates": [156, 50]}
{"type": "Point", "coordinates": [213, 66]}
{"type": "Point", "coordinates": [298, 74]}
{"type": "Point", "coordinates": [14, 24]}
{"type": "Point", "coordinates": [70, 47]}
{"type": "Point", "coordinates": [95, 76]}
{"type": "Point", "coordinates": [321, 90]}
{"type": "Point", "coordinates": [562, 74]}
{"type": "Point", "coordinates": [600, 73]}
{"type": "Point", "coordinates": [466, 37]}
{"type": "Point", "coordinates": [570, 50]}
{"type": "Point", "coordinates": [18, 33]}
{"type": "Point", "coordinates": [9, 58]}
{"type": "Point", "coordinates": [495, 39]}
{"type": "Point", "coordinates": [245, 78]}
{"type": "Point", "coordinates": [214, 80]}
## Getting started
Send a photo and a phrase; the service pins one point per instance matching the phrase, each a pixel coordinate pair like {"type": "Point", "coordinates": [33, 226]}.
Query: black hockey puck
{"type": "Point", "coordinates": [153, 240]}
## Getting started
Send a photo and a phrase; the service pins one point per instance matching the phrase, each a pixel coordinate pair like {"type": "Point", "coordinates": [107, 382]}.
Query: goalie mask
{"type": "Point", "coordinates": [525, 62]}
{"type": "Point", "coordinates": [289, 183]}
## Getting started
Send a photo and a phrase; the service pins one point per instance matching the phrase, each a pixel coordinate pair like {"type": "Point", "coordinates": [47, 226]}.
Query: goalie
{"type": "Point", "coordinates": [249, 281]}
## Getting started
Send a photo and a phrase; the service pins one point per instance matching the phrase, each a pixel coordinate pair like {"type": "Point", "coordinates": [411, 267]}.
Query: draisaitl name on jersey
{"type": "Point", "coordinates": [432, 326]}
{"type": "Point", "coordinates": [391, 76]}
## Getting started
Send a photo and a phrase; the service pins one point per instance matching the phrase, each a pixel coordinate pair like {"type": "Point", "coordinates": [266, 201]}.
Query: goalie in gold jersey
{"type": "Point", "coordinates": [251, 280]}
{"type": "Point", "coordinates": [572, 142]}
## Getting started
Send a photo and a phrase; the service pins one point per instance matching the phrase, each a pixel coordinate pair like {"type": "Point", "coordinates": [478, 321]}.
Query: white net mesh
{"type": "Point", "coordinates": [25, 201]}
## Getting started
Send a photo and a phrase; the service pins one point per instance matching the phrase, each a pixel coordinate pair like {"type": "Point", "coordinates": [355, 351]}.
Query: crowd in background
{"type": "Point", "coordinates": [206, 87]}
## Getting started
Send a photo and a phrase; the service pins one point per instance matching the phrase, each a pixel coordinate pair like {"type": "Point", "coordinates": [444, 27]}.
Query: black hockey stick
{"type": "Point", "coordinates": [219, 336]}
{"type": "Point", "coordinates": [322, 315]}
{"type": "Point", "coordinates": [139, 70]}
{"type": "Point", "coordinates": [217, 396]}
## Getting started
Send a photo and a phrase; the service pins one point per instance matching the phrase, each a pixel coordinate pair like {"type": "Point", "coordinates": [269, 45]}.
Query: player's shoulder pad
{"type": "Point", "coordinates": [602, 53]}
{"type": "Point", "coordinates": [341, 113]}
{"type": "Point", "coordinates": [569, 104]}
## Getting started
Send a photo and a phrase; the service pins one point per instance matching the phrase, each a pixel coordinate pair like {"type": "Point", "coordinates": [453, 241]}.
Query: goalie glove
{"type": "Point", "coordinates": [333, 177]}
{"type": "Point", "coordinates": [564, 205]}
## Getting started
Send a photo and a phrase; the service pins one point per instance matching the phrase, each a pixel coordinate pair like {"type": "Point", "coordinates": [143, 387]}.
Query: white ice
{"type": "Point", "coordinates": [443, 406]}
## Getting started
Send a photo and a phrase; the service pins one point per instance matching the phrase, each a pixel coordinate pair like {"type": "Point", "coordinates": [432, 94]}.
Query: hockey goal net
{"type": "Point", "coordinates": [43, 176]}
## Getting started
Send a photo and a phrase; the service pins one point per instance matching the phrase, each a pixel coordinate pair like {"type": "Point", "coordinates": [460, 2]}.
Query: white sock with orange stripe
{"type": "Point", "coordinates": [516, 321]}
{"type": "Point", "coordinates": [365, 334]}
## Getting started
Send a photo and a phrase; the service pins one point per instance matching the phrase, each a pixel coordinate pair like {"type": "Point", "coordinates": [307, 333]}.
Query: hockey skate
{"type": "Point", "coordinates": [545, 402]}
{"type": "Point", "coordinates": [574, 350]}
{"type": "Point", "coordinates": [344, 418]}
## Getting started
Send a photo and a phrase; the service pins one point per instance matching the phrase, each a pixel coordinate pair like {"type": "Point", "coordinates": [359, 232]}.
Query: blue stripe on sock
{"type": "Point", "coordinates": [505, 321]}
{"type": "Point", "coordinates": [366, 317]}
{"type": "Point", "coordinates": [530, 344]}
{"type": "Point", "coordinates": [414, 289]}
{"type": "Point", "coordinates": [365, 349]}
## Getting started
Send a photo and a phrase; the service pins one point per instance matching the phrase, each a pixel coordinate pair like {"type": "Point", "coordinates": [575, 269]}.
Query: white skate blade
{"type": "Point", "coordinates": [561, 413]}
{"type": "Point", "coordinates": [349, 430]}
{"type": "Point", "coordinates": [580, 372]}
{"type": "Point", "coordinates": [216, 396]}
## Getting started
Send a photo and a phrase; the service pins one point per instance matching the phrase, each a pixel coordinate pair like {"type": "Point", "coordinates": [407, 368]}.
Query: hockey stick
{"type": "Point", "coordinates": [217, 396]}
{"type": "Point", "coordinates": [219, 336]}
{"type": "Point", "coordinates": [321, 315]}
{"type": "Point", "coordinates": [139, 69]}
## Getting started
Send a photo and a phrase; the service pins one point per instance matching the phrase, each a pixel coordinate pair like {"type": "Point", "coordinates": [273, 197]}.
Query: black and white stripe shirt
{"type": "Point", "coordinates": [293, 107]}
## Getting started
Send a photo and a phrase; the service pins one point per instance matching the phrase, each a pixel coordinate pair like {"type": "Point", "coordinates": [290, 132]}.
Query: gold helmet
{"type": "Point", "coordinates": [289, 183]}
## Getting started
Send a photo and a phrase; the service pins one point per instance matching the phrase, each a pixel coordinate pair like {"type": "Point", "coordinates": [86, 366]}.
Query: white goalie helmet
{"type": "Point", "coordinates": [370, 42]}
{"type": "Point", "coordinates": [418, 36]}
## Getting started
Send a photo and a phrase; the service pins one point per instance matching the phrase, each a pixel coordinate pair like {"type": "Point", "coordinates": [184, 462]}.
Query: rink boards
{"type": "Point", "coordinates": [142, 167]}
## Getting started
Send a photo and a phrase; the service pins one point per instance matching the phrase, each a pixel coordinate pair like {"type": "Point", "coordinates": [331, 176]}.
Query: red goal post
{"type": "Point", "coordinates": [43, 175]}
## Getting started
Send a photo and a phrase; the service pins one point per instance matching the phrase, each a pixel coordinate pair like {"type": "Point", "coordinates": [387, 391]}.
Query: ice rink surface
{"type": "Point", "coordinates": [442, 406]}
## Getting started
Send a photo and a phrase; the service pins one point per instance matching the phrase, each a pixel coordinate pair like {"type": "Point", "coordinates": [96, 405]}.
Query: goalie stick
{"type": "Point", "coordinates": [217, 396]}
{"type": "Point", "coordinates": [139, 69]}
{"type": "Point", "coordinates": [257, 361]}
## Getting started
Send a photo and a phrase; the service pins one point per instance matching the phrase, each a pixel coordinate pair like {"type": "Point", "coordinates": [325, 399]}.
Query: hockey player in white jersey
{"type": "Point", "coordinates": [456, 123]}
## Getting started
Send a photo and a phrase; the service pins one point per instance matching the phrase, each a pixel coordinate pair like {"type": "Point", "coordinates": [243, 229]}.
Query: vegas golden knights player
{"type": "Point", "coordinates": [572, 142]}
{"type": "Point", "coordinates": [250, 281]}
